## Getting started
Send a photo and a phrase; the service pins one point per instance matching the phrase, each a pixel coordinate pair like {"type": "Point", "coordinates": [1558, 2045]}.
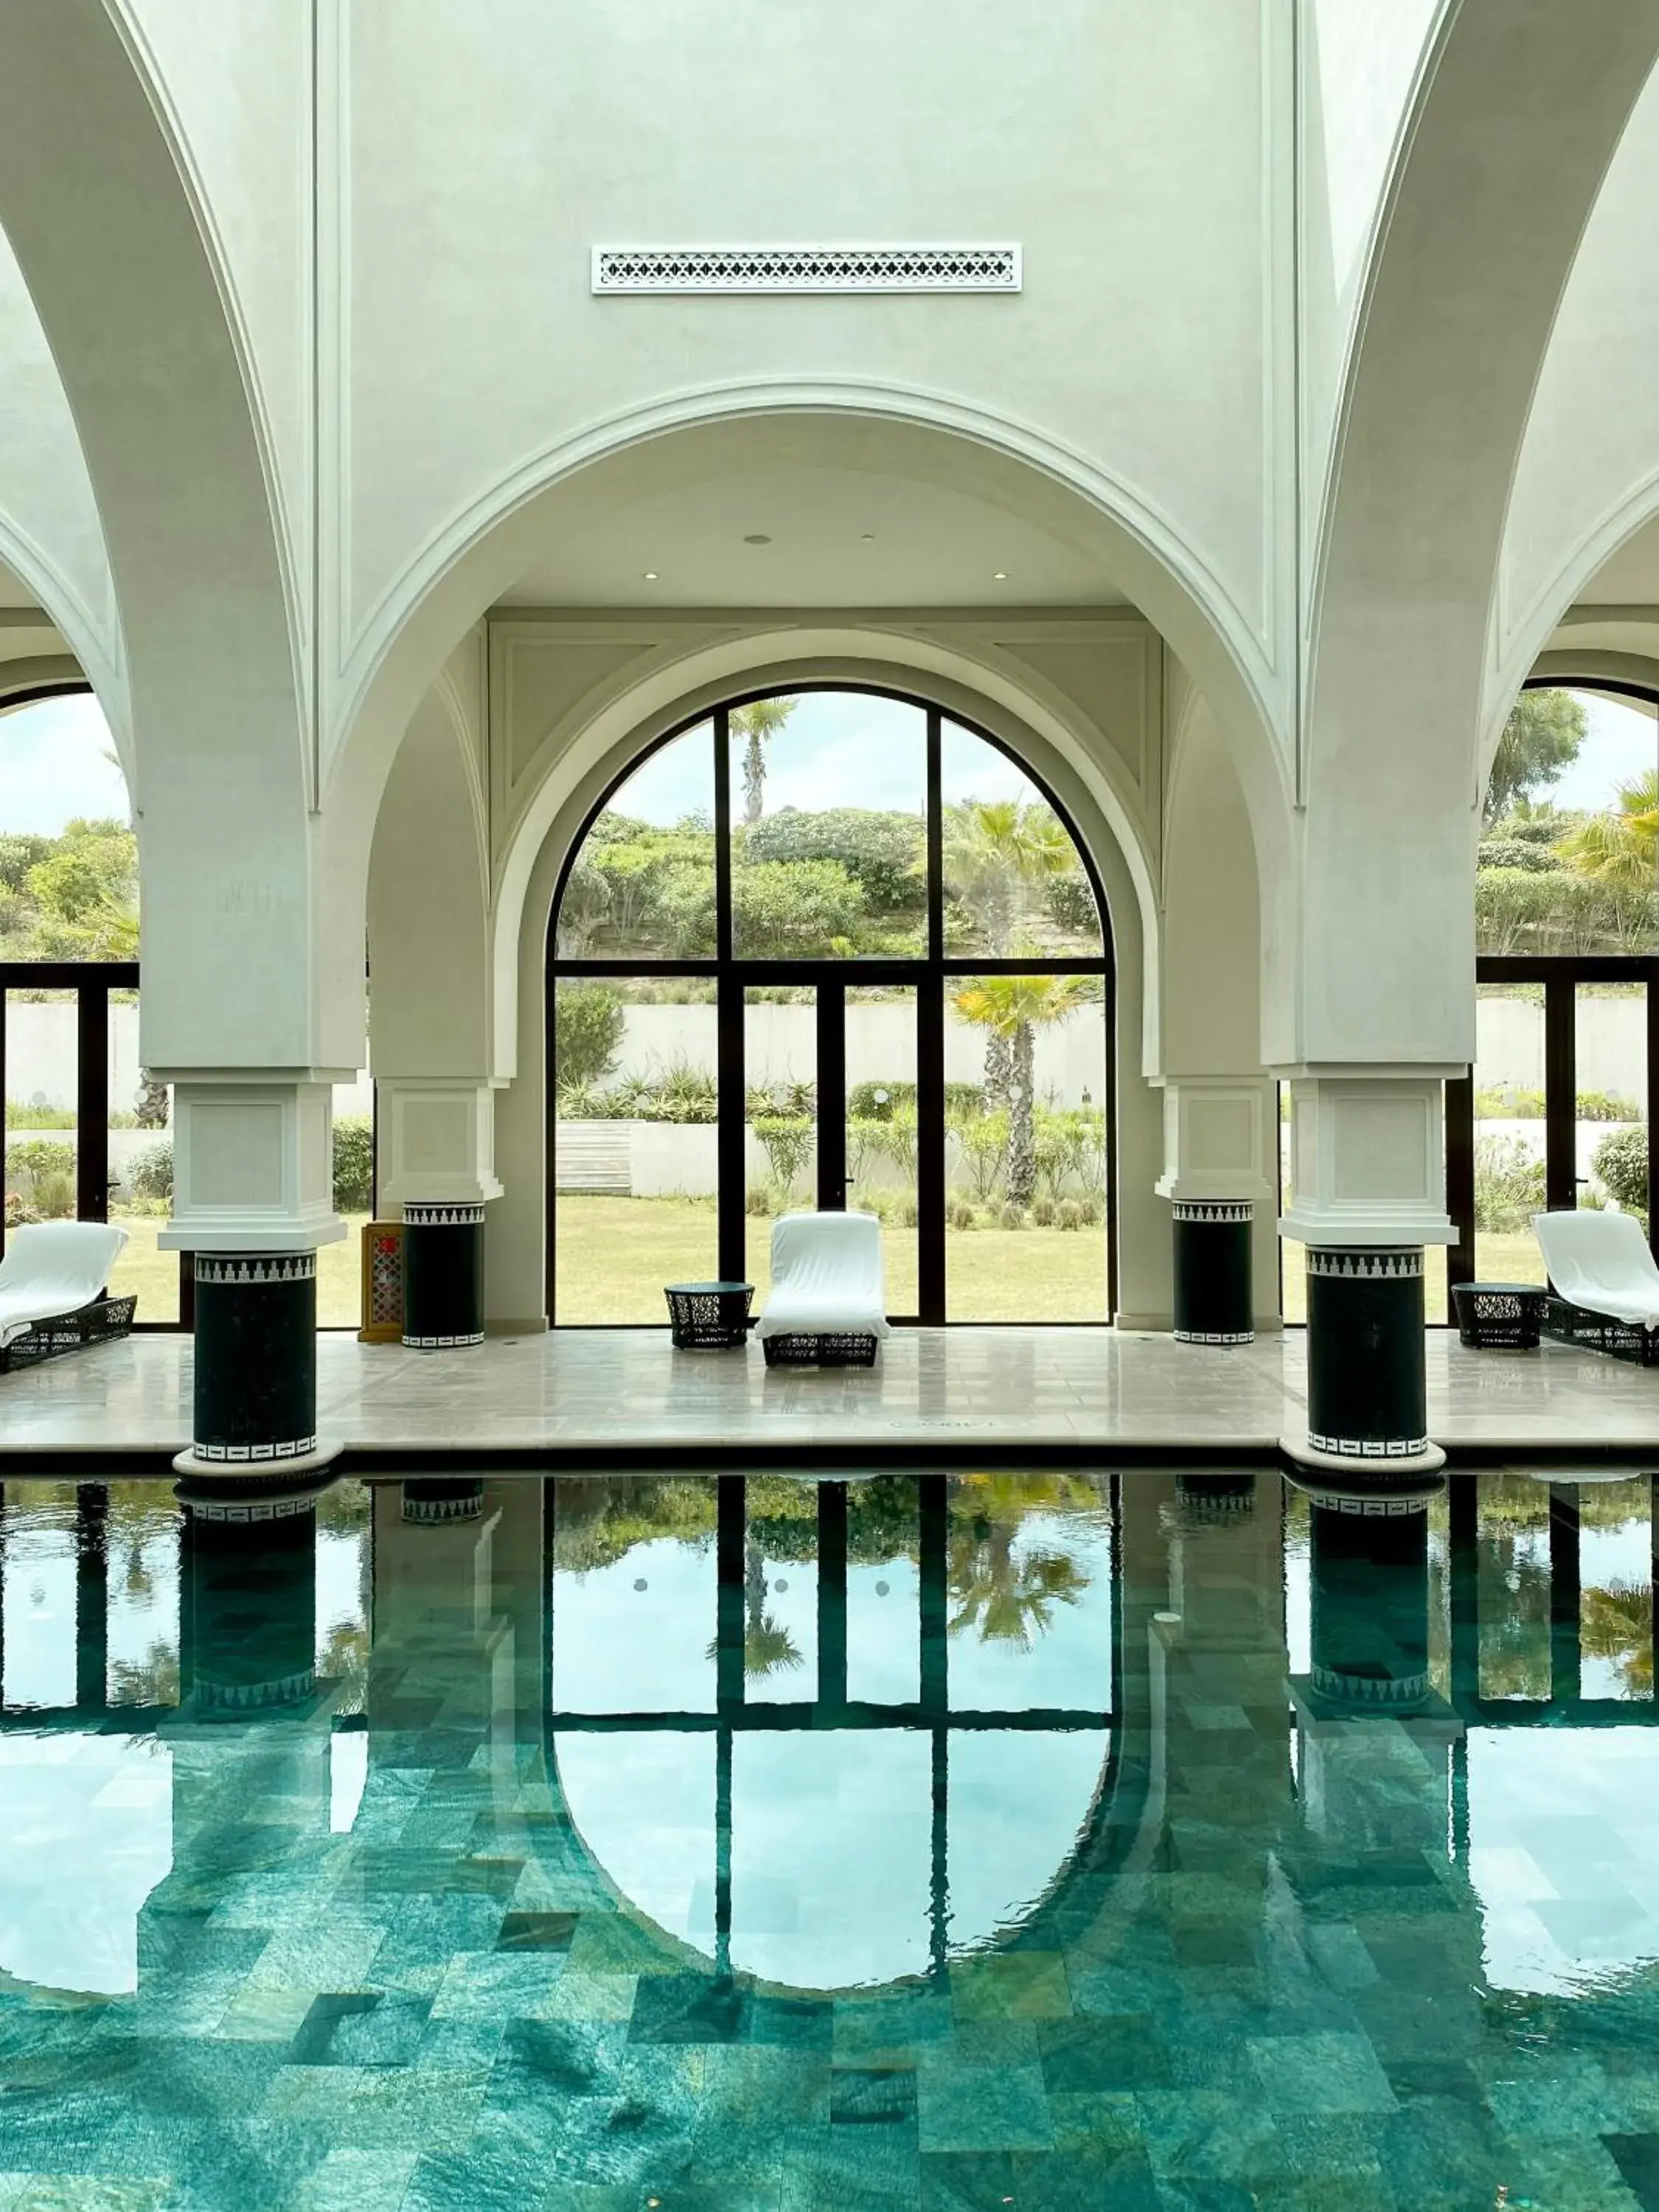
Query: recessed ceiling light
{"type": "Point", "coordinates": [868, 537]}
{"type": "Point", "coordinates": [998, 575]}
{"type": "Point", "coordinates": [650, 575]}
{"type": "Point", "coordinates": [756, 538]}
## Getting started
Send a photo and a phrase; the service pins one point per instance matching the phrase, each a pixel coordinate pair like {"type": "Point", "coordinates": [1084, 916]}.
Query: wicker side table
{"type": "Point", "coordinates": [1499, 1317]}
{"type": "Point", "coordinates": [708, 1317]}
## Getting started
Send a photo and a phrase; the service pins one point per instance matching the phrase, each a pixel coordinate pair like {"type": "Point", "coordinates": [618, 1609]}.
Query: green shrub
{"type": "Point", "coordinates": [791, 1100]}
{"type": "Point", "coordinates": [1514, 853]}
{"type": "Point", "coordinates": [984, 1147]}
{"type": "Point", "coordinates": [875, 1102]}
{"type": "Point", "coordinates": [1011, 1217]}
{"type": "Point", "coordinates": [1606, 1106]}
{"type": "Point", "coordinates": [1091, 1210]}
{"type": "Point", "coordinates": [962, 1215]}
{"type": "Point", "coordinates": [55, 1197]}
{"type": "Point", "coordinates": [1509, 1184]}
{"type": "Point", "coordinates": [685, 1094]}
{"type": "Point", "coordinates": [790, 909]}
{"type": "Point", "coordinates": [587, 1028]}
{"type": "Point", "coordinates": [881, 851]}
{"type": "Point", "coordinates": [35, 1158]}
{"type": "Point", "coordinates": [1042, 1213]}
{"type": "Point", "coordinates": [1071, 904]}
{"type": "Point", "coordinates": [1621, 1161]}
{"type": "Point", "coordinates": [1493, 1104]}
{"type": "Point", "coordinates": [149, 1175]}
{"type": "Point", "coordinates": [787, 1143]}
{"type": "Point", "coordinates": [909, 1213]}
{"type": "Point", "coordinates": [20, 1116]}
{"type": "Point", "coordinates": [1068, 1214]}
{"type": "Point", "coordinates": [354, 1164]}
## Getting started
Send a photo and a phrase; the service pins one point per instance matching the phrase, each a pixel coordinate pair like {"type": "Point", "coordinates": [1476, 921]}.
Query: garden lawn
{"type": "Point", "coordinates": [1510, 1257]}
{"type": "Point", "coordinates": [615, 1254]}
{"type": "Point", "coordinates": [154, 1274]}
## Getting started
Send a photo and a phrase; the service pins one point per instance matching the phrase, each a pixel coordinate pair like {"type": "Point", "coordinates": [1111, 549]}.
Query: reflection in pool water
{"type": "Point", "coordinates": [1150, 1839]}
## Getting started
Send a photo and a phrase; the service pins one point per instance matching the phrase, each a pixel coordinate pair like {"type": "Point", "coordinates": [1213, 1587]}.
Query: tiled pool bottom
{"type": "Point", "coordinates": [950, 1841]}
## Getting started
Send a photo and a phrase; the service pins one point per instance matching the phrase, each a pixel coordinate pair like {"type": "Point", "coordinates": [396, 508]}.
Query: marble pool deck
{"type": "Point", "coordinates": [570, 1395]}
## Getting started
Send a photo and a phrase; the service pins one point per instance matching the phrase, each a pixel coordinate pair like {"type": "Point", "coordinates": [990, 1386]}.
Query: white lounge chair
{"type": "Point", "coordinates": [828, 1296]}
{"type": "Point", "coordinates": [52, 1268]}
{"type": "Point", "coordinates": [1600, 1263]}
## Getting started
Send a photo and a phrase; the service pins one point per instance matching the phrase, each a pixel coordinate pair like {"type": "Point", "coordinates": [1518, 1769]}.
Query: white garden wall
{"type": "Point", "coordinates": [781, 1047]}
{"type": "Point", "coordinates": [41, 1058]}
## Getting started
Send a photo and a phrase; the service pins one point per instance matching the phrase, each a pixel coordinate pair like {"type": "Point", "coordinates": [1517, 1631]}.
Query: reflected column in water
{"type": "Point", "coordinates": [248, 1639]}
{"type": "Point", "coordinates": [91, 1593]}
{"type": "Point", "coordinates": [1384, 1789]}
{"type": "Point", "coordinates": [1218, 1664]}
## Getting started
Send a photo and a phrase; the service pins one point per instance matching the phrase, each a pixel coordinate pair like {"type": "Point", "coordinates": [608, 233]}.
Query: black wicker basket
{"type": "Point", "coordinates": [1594, 1331]}
{"type": "Point", "coordinates": [97, 1323]}
{"type": "Point", "coordinates": [852, 1348]}
{"type": "Point", "coordinates": [708, 1317]}
{"type": "Point", "coordinates": [1499, 1316]}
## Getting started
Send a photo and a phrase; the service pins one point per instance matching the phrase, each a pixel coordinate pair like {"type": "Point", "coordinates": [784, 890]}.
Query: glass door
{"type": "Point", "coordinates": [889, 1148]}
{"type": "Point", "coordinates": [782, 1166]}
{"type": "Point", "coordinates": [1556, 1115]}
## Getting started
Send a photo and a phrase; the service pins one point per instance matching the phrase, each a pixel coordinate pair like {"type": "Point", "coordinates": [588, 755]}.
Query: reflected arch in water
{"type": "Point", "coordinates": [826, 1843]}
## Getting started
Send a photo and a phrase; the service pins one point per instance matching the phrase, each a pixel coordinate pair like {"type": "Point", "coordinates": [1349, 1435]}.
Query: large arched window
{"type": "Point", "coordinates": [1566, 902]}
{"type": "Point", "coordinates": [831, 947]}
{"type": "Point", "coordinates": [88, 1131]}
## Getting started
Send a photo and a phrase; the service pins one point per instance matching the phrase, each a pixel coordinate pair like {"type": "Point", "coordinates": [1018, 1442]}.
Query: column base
{"type": "Point", "coordinates": [254, 1398]}
{"type": "Point", "coordinates": [443, 1275]}
{"type": "Point", "coordinates": [247, 1477]}
{"type": "Point", "coordinates": [1378, 1467]}
{"type": "Point", "coordinates": [1214, 1295]}
{"type": "Point", "coordinates": [433, 1504]}
{"type": "Point", "coordinates": [1367, 1386]}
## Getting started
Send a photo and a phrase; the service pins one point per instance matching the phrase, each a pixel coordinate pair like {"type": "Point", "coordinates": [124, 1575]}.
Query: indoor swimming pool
{"type": "Point", "coordinates": [1161, 1842]}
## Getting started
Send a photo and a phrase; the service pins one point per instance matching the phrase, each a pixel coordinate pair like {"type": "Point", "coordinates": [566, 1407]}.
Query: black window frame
{"type": "Point", "coordinates": [927, 972]}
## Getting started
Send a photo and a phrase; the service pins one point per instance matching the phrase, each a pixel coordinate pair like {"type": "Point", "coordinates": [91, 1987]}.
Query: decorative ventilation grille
{"type": "Point", "coordinates": [807, 269]}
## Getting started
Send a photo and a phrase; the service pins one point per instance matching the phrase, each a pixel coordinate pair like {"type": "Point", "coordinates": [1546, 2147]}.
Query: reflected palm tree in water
{"type": "Point", "coordinates": [1005, 1596]}
{"type": "Point", "coordinates": [768, 1646]}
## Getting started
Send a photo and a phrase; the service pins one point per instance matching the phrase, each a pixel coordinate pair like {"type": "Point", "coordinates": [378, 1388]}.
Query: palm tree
{"type": "Point", "coordinates": [760, 719]}
{"type": "Point", "coordinates": [1620, 848]}
{"type": "Point", "coordinates": [1014, 1008]}
{"type": "Point", "coordinates": [994, 850]}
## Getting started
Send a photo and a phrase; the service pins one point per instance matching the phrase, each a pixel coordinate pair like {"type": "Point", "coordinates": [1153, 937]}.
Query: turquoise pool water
{"type": "Point", "coordinates": [1045, 1840]}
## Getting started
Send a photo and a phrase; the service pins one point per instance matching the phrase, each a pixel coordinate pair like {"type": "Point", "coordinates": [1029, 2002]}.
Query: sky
{"type": "Point", "coordinates": [1622, 744]}
{"type": "Point", "coordinates": [53, 766]}
{"type": "Point", "coordinates": [838, 749]}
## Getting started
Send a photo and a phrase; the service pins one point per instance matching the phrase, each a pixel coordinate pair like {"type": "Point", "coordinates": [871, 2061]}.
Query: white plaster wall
{"type": "Point", "coordinates": [50, 532]}
{"type": "Point", "coordinates": [428, 950]}
{"type": "Point", "coordinates": [487, 149]}
{"type": "Point", "coordinates": [1588, 470]}
{"type": "Point", "coordinates": [1358, 65]}
{"type": "Point", "coordinates": [239, 78]}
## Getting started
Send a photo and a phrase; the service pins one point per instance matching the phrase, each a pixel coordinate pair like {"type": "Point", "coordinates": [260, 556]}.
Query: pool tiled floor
{"type": "Point", "coordinates": [1035, 1840]}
